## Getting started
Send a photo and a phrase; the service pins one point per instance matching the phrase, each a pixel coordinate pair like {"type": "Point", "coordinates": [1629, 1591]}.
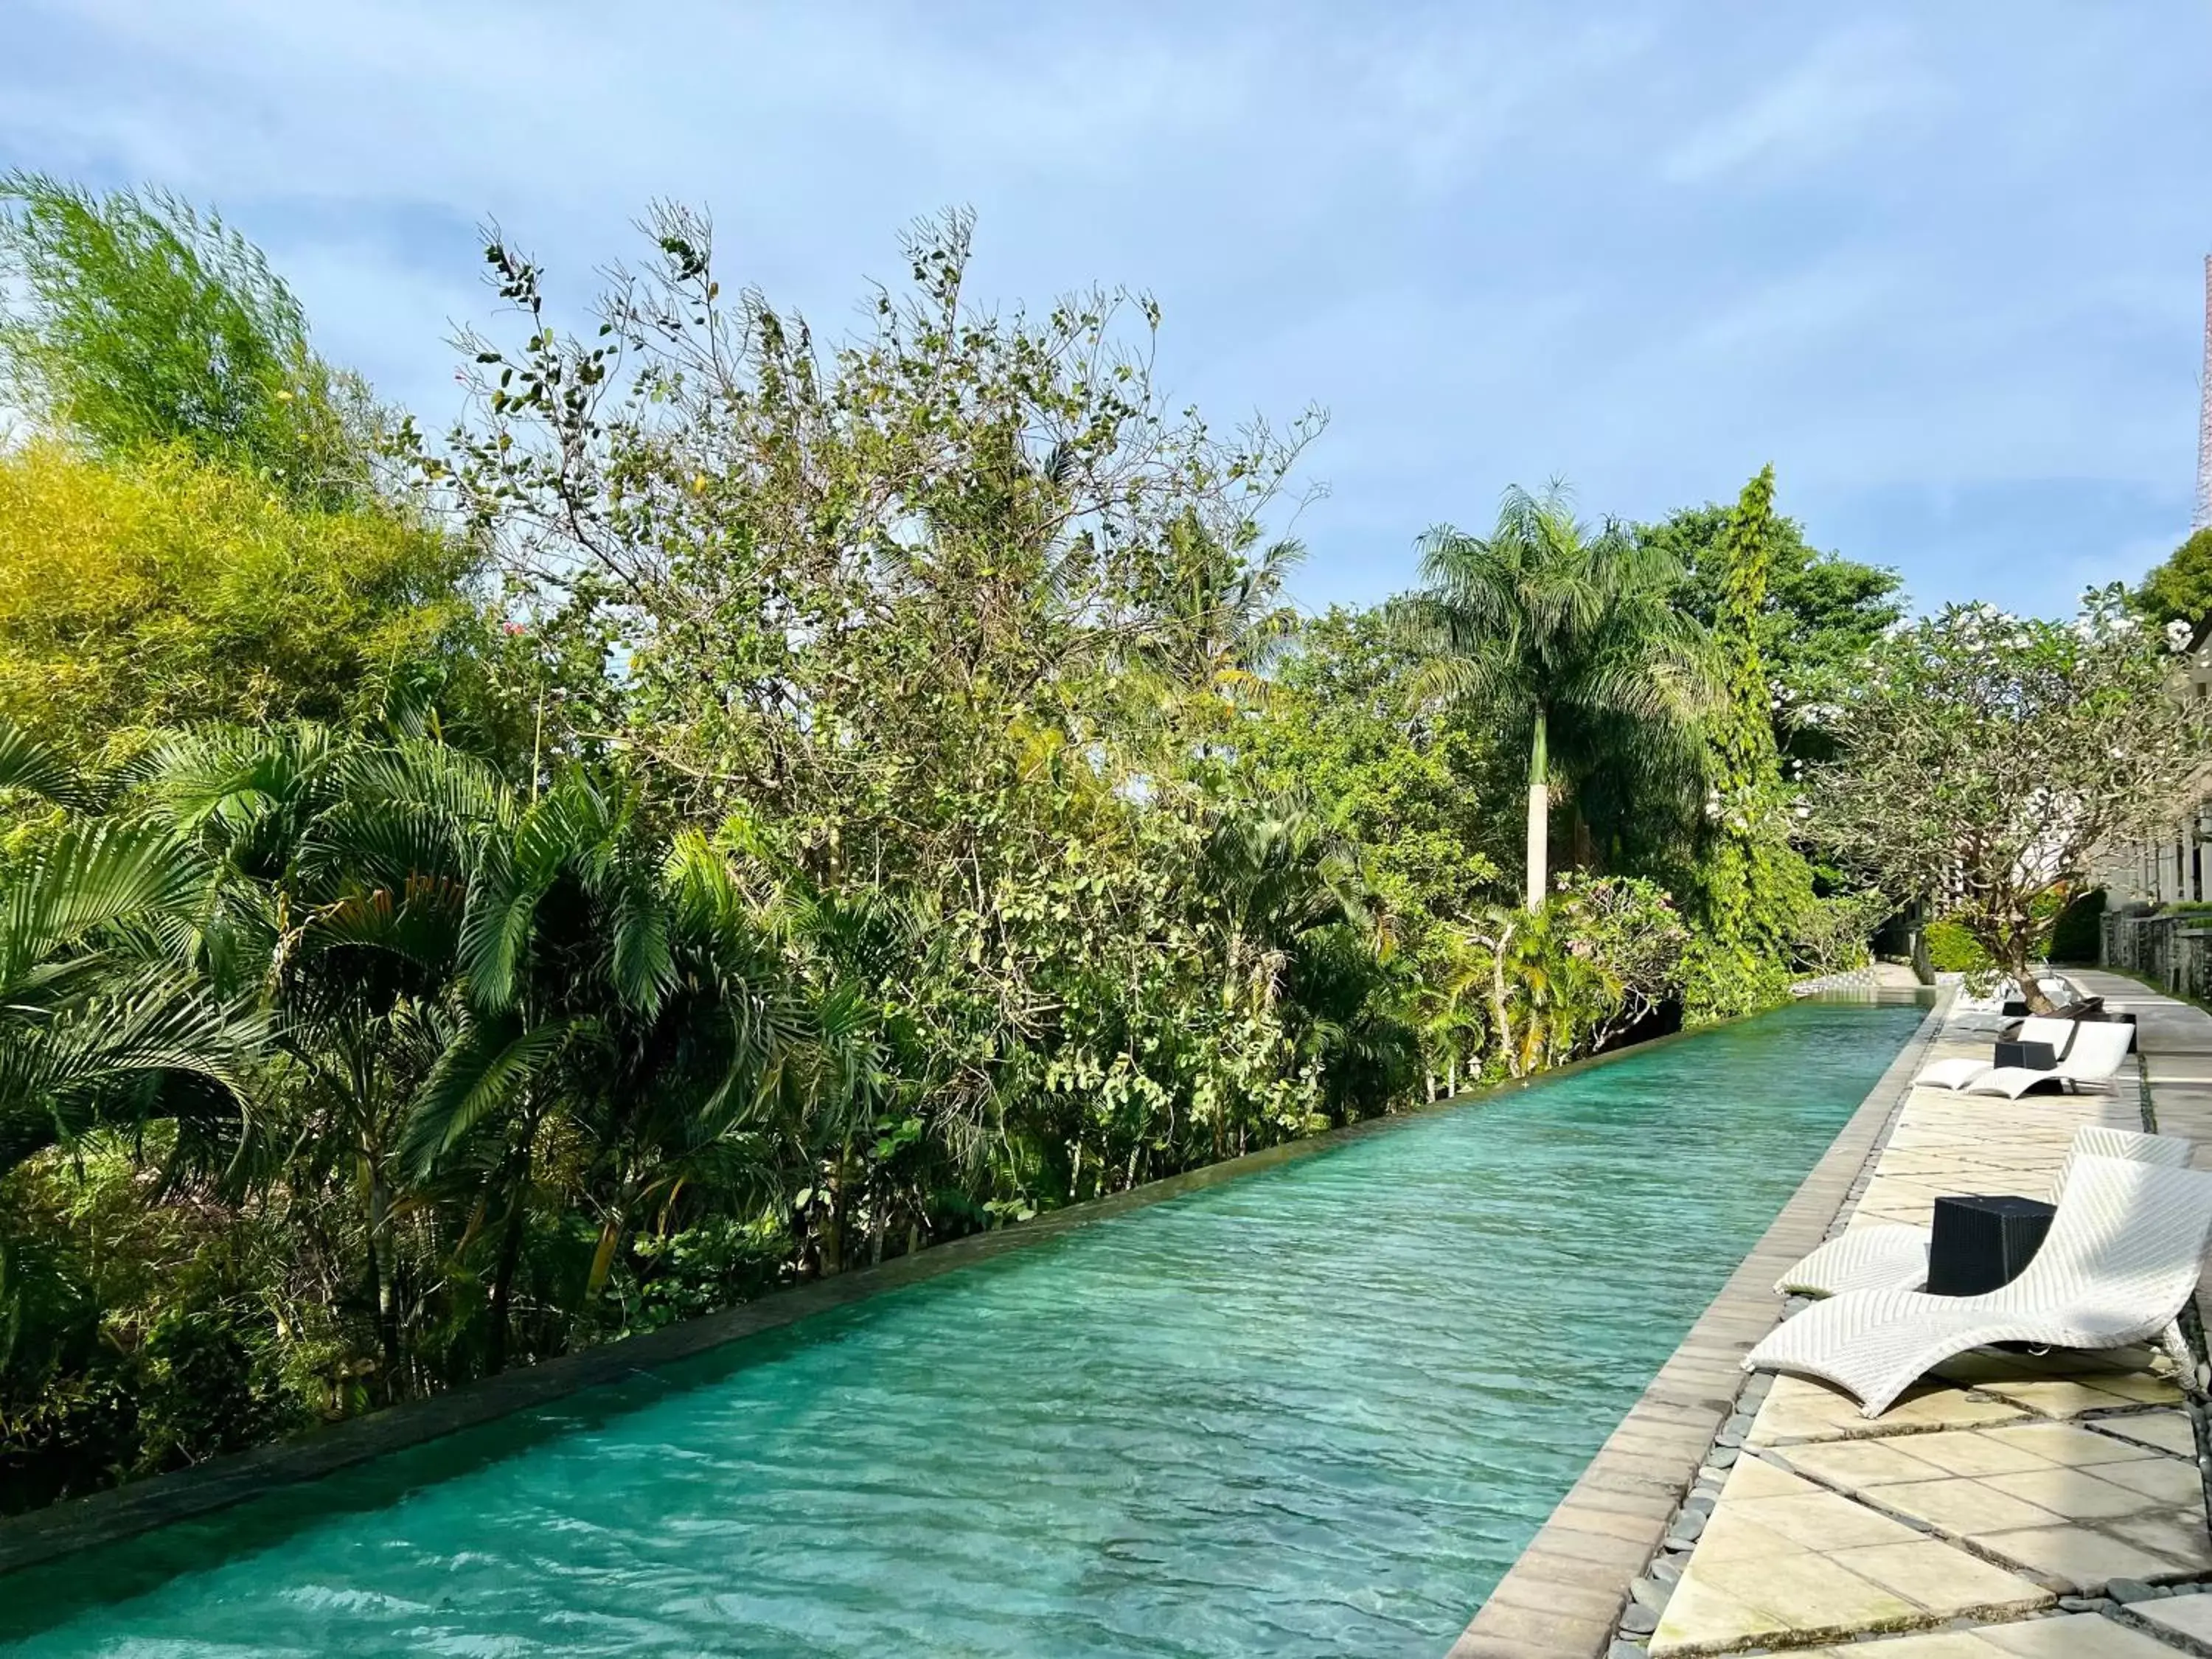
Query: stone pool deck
{"type": "Point", "coordinates": [2045, 1509]}
{"type": "Point", "coordinates": [2011, 1505]}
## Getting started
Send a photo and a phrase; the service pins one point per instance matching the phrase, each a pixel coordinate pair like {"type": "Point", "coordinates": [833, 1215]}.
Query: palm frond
{"type": "Point", "coordinates": [39, 769]}
{"type": "Point", "coordinates": [475, 1081]}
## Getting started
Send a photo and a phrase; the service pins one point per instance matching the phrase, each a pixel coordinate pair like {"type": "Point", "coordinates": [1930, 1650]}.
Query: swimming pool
{"type": "Point", "coordinates": [1316, 1410]}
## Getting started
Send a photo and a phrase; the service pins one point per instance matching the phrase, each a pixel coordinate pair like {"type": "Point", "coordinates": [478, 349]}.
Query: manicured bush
{"type": "Point", "coordinates": [2078, 934]}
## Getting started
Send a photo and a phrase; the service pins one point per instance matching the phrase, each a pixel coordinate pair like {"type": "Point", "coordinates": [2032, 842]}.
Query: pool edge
{"type": "Point", "coordinates": [1564, 1595]}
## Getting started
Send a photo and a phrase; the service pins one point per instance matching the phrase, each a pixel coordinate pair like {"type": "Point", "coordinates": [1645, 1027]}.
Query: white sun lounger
{"type": "Point", "coordinates": [2094, 1059]}
{"type": "Point", "coordinates": [1895, 1258]}
{"type": "Point", "coordinates": [2089, 1057]}
{"type": "Point", "coordinates": [2121, 1261]}
{"type": "Point", "coordinates": [1958, 1073]}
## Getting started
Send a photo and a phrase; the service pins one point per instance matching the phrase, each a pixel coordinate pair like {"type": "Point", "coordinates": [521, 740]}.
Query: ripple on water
{"type": "Point", "coordinates": [1316, 1411]}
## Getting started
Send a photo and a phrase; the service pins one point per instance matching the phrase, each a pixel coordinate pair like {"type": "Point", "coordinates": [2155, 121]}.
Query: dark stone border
{"type": "Point", "coordinates": [1564, 1597]}
{"type": "Point", "coordinates": [122, 1512]}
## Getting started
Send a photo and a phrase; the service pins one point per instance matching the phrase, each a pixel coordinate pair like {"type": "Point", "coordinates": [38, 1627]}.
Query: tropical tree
{"type": "Point", "coordinates": [1566, 631]}
{"type": "Point", "coordinates": [134, 321]}
{"type": "Point", "coordinates": [1818, 615]}
{"type": "Point", "coordinates": [164, 590]}
{"type": "Point", "coordinates": [103, 1025]}
{"type": "Point", "coordinates": [2180, 588]}
{"type": "Point", "coordinates": [470, 976]}
{"type": "Point", "coordinates": [1987, 757]}
{"type": "Point", "coordinates": [104, 1018]}
{"type": "Point", "coordinates": [1755, 890]}
{"type": "Point", "coordinates": [1415, 794]}
{"type": "Point", "coordinates": [1600, 956]}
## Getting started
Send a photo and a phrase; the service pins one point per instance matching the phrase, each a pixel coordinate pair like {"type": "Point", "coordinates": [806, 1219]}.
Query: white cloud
{"type": "Point", "coordinates": [1857, 84]}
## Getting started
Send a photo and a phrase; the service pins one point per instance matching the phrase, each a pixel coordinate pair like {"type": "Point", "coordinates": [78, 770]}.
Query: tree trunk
{"type": "Point", "coordinates": [1539, 815]}
{"type": "Point", "coordinates": [833, 1219]}
{"type": "Point", "coordinates": [510, 1254]}
{"type": "Point", "coordinates": [1504, 1021]}
{"type": "Point", "coordinates": [381, 1265]}
{"type": "Point", "coordinates": [2023, 973]}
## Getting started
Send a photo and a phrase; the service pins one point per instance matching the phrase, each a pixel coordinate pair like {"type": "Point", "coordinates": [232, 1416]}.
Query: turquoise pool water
{"type": "Point", "coordinates": [1315, 1411]}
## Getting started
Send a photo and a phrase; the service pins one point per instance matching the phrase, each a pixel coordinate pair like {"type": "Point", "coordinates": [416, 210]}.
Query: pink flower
{"type": "Point", "coordinates": [514, 628]}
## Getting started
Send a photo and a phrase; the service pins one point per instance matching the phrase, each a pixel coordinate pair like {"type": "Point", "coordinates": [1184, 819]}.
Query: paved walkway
{"type": "Point", "coordinates": [2012, 1505]}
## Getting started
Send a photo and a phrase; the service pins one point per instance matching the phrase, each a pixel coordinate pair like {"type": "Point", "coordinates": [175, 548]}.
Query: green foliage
{"type": "Point", "coordinates": [102, 1020]}
{"type": "Point", "coordinates": [1953, 950]}
{"type": "Point", "coordinates": [1819, 615]}
{"type": "Point", "coordinates": [165, 588]}
{"type": "Point", "coordinates": [2077, 936]}
{"type": "Point", "coordinates": [893, 799]}
{"type": "Point", "coordinates": [1416, 795]}
{"type": "Point", "coordinates": [1600, 957]}
{"type": "Point", "coordinates": [1756, 891]}
{"type": "Point", "coordinates": [133, 1338]}
{"type": "Point", "coordinates": [2181, 588]}
{"type": "Point", "coordinates": [140, 323]}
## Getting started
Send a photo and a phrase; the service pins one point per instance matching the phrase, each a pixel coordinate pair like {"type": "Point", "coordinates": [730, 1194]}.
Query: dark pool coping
{"type": "Point", "coordinates": [1564, 1597]}
{"type": "Point", "coordinates": [121, 1512]}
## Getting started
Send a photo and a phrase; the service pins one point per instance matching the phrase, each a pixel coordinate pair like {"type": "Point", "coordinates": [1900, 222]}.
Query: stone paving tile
{"type": "Point", "coordinates": [1945, 1645]}
{"type": "Point", "coordinates": [2069, 1636]}
{"type": "Point", "coordinates": [1863, 1463]}
{"type": "Point", "coordinates": [2041, 1496]}
{"type": "Point", "coordinates": [2189, 1615]}
{"type": "Point", "coordinates": [2079, 1557]}
{"type": "Point", "coordinates": [1801, 1410]}
{"type": "Point", "coordinates": [2174, 1534]}
{"type": "Point", "coordinates": [2073, 1494]}
{"type": "Point", "coordinates": [1970, 1509]}
{"type": "Point", "coordinates": [2073, 1396]}
{"type": "Point", "coordinates": [1782, 1557]}
{"type": "Point", "coordinates": [2167, 1430]}
{"type": "Point", "coordinates": [2079, 1636]}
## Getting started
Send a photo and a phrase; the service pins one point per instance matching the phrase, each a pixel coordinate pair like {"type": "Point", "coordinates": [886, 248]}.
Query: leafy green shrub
{"type": "Point", "coordinates": [1834, 933]}
{"type": "Point", "coordinates": [1953, 950]}
{"type": "Point", "coordinates": [2078, 934]}
{"type": "Point", "coordinates": [168, 589]}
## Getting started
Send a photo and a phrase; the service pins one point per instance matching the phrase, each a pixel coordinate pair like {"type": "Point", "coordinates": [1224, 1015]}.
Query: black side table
{"type": "Point", "coordinates": [1981, 1243]}
{"type": "Point", "coordinates": [2029, 1056]}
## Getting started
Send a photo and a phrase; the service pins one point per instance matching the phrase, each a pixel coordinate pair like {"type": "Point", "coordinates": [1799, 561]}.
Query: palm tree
{"type": "Point", "coordinates": [1571, 630]}
{"type": "Point", "coordinates": [105, 1016]}
{"type": "Point", "coordinates": [460, 970]}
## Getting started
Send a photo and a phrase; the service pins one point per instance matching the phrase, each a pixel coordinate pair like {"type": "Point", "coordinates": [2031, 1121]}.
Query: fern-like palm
{"type": "Point", "coordinates": [101, 1022]}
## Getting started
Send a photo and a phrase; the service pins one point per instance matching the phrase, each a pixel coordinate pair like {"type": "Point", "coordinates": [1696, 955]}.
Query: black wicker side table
{"type": "Point", "coordinates": [1979, 1243]}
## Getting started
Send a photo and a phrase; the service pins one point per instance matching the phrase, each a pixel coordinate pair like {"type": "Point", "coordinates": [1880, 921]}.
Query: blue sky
{"type": "Point", "coordinates": [1941, 265]}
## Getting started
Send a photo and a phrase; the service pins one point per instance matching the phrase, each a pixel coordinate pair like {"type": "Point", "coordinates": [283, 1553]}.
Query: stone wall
{"type": "Point", "coordinates": [2173, 951]}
